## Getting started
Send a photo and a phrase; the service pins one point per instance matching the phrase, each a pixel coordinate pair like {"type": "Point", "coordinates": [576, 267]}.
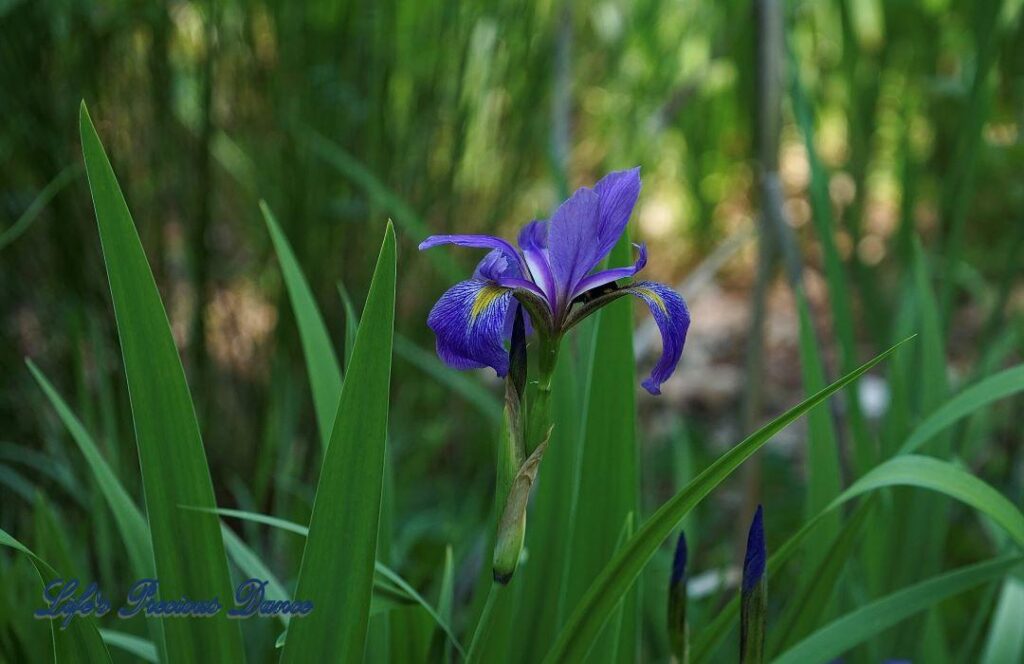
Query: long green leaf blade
{"type": "Point", "coordinates": [188, 550]}
{"type": "Point", "coordinates": [977, 396]}
{"type": "Point", "coordinates": [841, 635]}
{"type": "Point", "coordinates": [81, 641]}
{"type": "Point", "coordinates": [127, 515]}
{"type": "Point", "coordinates": [609, 474]}
{"type": "Point", "coordinates": [949, 479]}
{"type": "Point", "coordinates": [338, 559]}
{"type": "Point", "coordinates": [321, 360]}
{"type": "Point", "coordinates": [597, 605]}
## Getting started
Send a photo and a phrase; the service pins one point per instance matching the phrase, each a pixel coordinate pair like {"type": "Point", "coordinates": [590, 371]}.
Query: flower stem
{"type": "Point", "coordinates": [484, 626]}
{"type": "Point", "coordinates": [539, 409]}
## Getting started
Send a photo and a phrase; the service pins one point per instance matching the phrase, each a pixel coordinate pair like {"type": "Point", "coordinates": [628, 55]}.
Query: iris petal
{"type": "Point", "coordinates": [673, 319]}
{"type": "Point", "coordinates": [533, 241]}
{"type": "Point", "coordinates": [604, 277]}
{"type": "Point", "coordinates": [618, 192]}
{"type": "Point", "coordinates": [572, 252]}
{"type": "Point", "coordinates": [585, 228]}
{"type": "Point", "coordinates": [497, 267]}
{"type": "Point", "coordinates": [475, 241]}
{"type": "Point", "coordinates": [469, 321]}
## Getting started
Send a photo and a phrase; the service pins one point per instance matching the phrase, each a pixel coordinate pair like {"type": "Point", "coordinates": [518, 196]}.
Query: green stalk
{"type": "Point", "coordinates": [539, 412]}
{"type": "Point", "coordinates": [484, 626]}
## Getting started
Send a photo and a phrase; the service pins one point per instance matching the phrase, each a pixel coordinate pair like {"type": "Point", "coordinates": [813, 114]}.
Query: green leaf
{"type": "Point", "coordinates": [809, 605]}
{"type": "Point", "coordinates": [68, 175]}
{"type": "Point", "coordinates": [337, 567]}
{"type": "Point", "coordinates": [618, 576]}
{"type": "Point", "coordinates": [386, 581]}
{"type": "Point", "coordinates": [458, 382]}
{"type": "Point", "coordinates": [823, 469]}
{"type": "Point", "coordinates": [977, 396]}
{"type": "Point", "coordinates": [252, 566]}
{"type": "Point", "coordinates": [321, 361]}
{"type": "Point", "coordinates": [609, 472]}
{"type": "Point", "coordinates": [80, 641]}
{"type": "Point", "coordinates": [946, 478]}
{"type": "Point", "coordinates": [351, 322]}
{"type": "Point", "coordinates": [855, 627]}
{"type": "Point", "coordinates": [1005, 641]}
{"type": "Point", "coordinates": [128, 517]}
{"type": "Point", "coordinates": [131, 644]}
{"type": "Point", "coordinates": [914, 471]}
{"type": "Point", "coordinates": [552, 512]}
{"type": "Point", "coordinates": [188, 550]}
{"type": "Point", "coordinates": [404, 214]}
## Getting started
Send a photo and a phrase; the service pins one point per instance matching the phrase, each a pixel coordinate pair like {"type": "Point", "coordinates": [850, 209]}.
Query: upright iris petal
{"type": "Point", "coordinates": [572, 252]}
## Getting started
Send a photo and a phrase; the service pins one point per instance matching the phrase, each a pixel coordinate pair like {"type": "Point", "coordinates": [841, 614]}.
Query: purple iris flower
{"type": "Point", "coordinates": [552, 274]}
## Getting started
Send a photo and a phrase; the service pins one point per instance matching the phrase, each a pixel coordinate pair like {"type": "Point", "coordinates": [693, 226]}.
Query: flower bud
{"type": "Point", "coordinates": [512, 526]}
{"type": "Point", "coordinates": [678, 635]}
{"type": "Point", "coordinates": [754, 594]}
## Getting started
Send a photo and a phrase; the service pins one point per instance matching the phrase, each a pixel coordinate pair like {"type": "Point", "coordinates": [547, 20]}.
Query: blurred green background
{"type": "Point", "coordinates": [900, 120]}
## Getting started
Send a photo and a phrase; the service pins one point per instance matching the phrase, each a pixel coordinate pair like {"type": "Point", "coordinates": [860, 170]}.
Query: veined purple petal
{"type": "Point", "coordinates": [586, 227]}
{"type": "Point", "coordinates": [604, 277]}
{"type": "Point", "coordinates": [572, 250]}
{"type": "Point", "coordinates": [500, 269]}
{"type": "Point", "coordinates": [618, 192]}
{"type": "Point", "coordinates": [475, 241]}
{"type": "Point", "coordinates": [673, 319]}
{"type": "Point", "coordinates": [469, 321]}
{"type": "Point", "coordinates": [533, 241]}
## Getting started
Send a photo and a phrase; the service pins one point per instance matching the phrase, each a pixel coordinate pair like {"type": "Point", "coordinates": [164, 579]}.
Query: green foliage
{"type": "Point", "coordinates": [188, 550]}
{"type": "Point", "coordinates": [337, 578]}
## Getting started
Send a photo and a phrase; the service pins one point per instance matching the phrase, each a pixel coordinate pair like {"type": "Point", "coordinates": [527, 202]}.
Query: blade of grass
{"type": "Point", "coordinates": [835, 272]}
{"type": "Point", "coordinates": [386, 578]}
{"type": "Point", "coordinates": [1005, 641]}
{"type": "Point", "coordinates": [80, 641]}
{"type": "Point", "coordinates": [321, 362]}
{"type": "Point", "coordinates": [460, 383]}
{"type": "Point", "coordinates": [609, 474]}
{"type": "Point", "coordinates": [338, 578]}
{"type": "Point", "coordinates": [974, 398]}
{"type": "Point", "coordinates": [618, 576]}
{"type": "Point", "coordinates": [68, 175]}
{"type": "Point", "coordinates": [811, 601]}
{"type": "Point", "coordinates": [351, 322]}
{"type": "Point", "coordinates": [252, 566]}
{"type": "Point", "coordinates": [946, 478]}
{"type": "Point", "coordinates": [912, 471]}
{"type": "Point", "coordinates": [131, 644]}
{"type": "Point", "coordinates": [128, 517]}
{"type": "Point", "coordinates": [823, 469]}
{"type": "Point", "coordinates": [839, 636]}
{"type": "Point", "coordinates": [188, 551]}
{"type": "Point", "coordinates": [404, 214]}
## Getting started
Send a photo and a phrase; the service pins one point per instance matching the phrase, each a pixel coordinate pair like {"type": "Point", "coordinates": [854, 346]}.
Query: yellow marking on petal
{"type": "Point", "coordinates": [484, 299]}
{"type": "Point", "coordinates": [647, 292]}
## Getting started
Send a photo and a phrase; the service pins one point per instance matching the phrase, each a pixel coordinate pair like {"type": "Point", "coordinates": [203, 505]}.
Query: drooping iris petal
{"type": "Point", "coordinates": [533, 241]}
{"type": "Point", "coordinates": [469, 321]}
{"type": "Point", "coordinates": [673, 319]}
{"type": "Point", "coordinates": [572, 251]}
{"type": "Point", "coordinates": [604, 277]}
{"type": "Point", "coordinates": [476, 241]}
